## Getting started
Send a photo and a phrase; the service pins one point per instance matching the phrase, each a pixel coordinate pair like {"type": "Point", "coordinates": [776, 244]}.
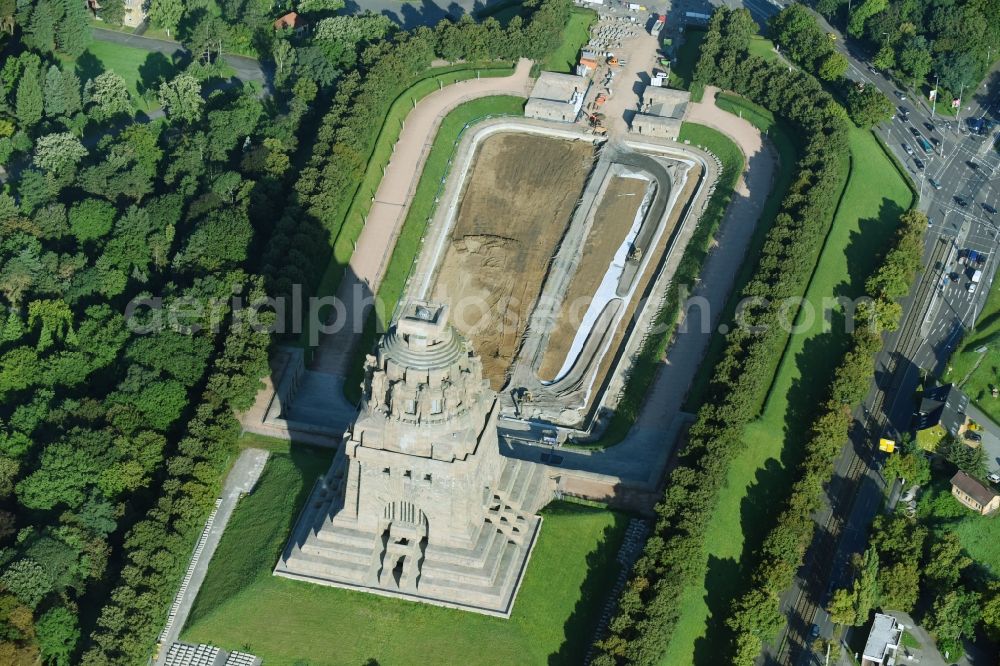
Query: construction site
{"type": "Point", "coordinates": [549, 242]}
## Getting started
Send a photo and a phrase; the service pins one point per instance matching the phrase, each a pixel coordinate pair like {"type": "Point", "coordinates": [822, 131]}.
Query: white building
{"type": "Point", "coordinates": [883, 641]}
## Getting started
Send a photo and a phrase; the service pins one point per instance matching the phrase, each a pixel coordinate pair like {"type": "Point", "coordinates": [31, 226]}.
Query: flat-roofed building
{"type": "Point", "coordinates": [661, 112]}
{"type": "Point", "coordinates": [883, 641]}
{"type": "Point", "coordinates": [557, 97]}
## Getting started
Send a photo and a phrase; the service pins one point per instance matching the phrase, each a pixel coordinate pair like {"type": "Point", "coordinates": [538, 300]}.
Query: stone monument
{"type": "Point", "coordinates": [418, 502]}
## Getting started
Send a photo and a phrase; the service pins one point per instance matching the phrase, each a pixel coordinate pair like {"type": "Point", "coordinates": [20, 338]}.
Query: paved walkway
{"type": "Point", "coordinates": [240, 480]}
{"type": "Point", "coordinates": [391, 203]}
{"type": "Point", "coordinates": [644, 453]}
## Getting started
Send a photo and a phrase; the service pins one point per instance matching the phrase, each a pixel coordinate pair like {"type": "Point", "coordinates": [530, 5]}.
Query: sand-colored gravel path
{"type": "Point", "coordinates": [391, 203]}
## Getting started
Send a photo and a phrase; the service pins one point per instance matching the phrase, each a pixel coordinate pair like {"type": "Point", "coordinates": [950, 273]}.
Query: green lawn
{"type": "Point", "coordinates": [124, 60]}
{"type": "Point", "coordinates": [575, 35]}
{"type": "Point", "coordinates": [977, 372]}
{"type": "Point", "coordinates": [421, 210]}
{"type": "Point", "coordinates": [354, 220]}
{"type": "Point", "coordinates": [760, 46]}
{"type": "Point", "coordinates": [759, 476]}
{"type": "Point", "coordinates": [243, 606]}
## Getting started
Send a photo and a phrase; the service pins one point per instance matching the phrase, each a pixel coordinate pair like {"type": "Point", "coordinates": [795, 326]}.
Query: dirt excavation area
{"type": "Point", "coordinates": [517, 202]}
{"type": "Point", "coordinates": [611, 223]}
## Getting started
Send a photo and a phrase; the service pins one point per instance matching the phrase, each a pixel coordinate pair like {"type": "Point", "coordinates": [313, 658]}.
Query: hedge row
{"type": "Point", "coordinates": [756, 617]}
{"type": "Point", "coordinates": [674, 556]}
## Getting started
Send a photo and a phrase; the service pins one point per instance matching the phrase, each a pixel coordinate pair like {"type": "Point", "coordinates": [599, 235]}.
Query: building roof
{"type": "Point", "coordinates": [558, 87]}
{"type": "Point", "coordinates": [658, 122]}
{"type": "Point", "coordinates": [973, 488]}
{"type": "Point", "coordinates": [943, 405]}
{"type": "Point", "coordinates": [289, 20]}
{"type": "Point", "coordinates": [665, 102]}
{"type": "Point", "coordinates": [884, 635]}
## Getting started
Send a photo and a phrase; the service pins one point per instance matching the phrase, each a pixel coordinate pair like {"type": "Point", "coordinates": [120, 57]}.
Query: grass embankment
{"type": "Point", "coordinates": [350, 227]}
{"type": "Point", "coordinates": [760, 475]}
{"type": "Point", "coordinates": [977, 372]}
{"type": "Point", "coordinates": [650, 356]}
{"type": "Point", "coordinates": [574, 36]}
{"type": "Point", "coordinates": [421, 210]}
{"type": "Point", "coordinates": [242, 605]}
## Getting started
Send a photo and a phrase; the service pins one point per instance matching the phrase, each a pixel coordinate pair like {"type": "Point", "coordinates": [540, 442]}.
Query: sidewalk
{"type": "Point", "coordinates": [240, 480]}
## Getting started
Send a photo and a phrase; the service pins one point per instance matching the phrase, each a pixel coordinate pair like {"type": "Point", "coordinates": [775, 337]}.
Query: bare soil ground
{"type": "Point", "coordinates": [517, 203]}
{"type": "Point", "coordinates": [612, 220]}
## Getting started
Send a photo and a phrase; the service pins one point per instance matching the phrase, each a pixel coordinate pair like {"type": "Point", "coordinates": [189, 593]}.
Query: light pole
{"type": "Point", "coordinates": [934, 101]}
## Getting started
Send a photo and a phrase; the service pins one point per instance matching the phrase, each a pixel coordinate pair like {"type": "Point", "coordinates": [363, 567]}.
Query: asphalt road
{"type": "Point", "coordinates": [247, 69]}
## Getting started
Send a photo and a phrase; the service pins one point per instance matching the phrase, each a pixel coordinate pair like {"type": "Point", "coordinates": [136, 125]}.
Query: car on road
{"type": "Point", "coordinates": [909, 151]}
{"type": "Point", "coordinates": [919, 163]}
{"type": "Point", "coordinates": [973, 436]}
{"type": "Point", "coordinates": [993, 477]}
{"type": "Point", "coordinates": [871, 68]}
{"type": "Point", "coordinates": [930, 127]}
{"type": "Point", "coordinates": [935, 141]}
{"type": "Point", "coordinates": [953, 276]}
{"type": "Point", "coordinates": [989, 209]}
{"type": "Point", "coordinates": [903, 111]}
{"type": "Point", "coordinates": [814, 632]}
{"type": "Point", "coordinates": [901, 95]}
{"type": "Point", "coordinates": [972, 287]}
{"type": "Point", "coordinates": [914, 131]}
{"type": "Point", "coordinates": [936, 185]}
{"type": "Point", "coordinates": [961, 202]}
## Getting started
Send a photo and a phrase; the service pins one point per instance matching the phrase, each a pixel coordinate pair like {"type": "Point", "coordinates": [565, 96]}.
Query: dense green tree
{"type": "Point", "coordinates": [833, 67]}
{"type": "Point", "coordinates": [39, 33]}
{"type": "Point", "coordinates": [327, 6]}
{"type": "Point", "coordinates": [353, 30]}
{"type": "Point", "coordinates": [953, 615]}
{"type": "Point", "coordinates": [861, 13]}
{"type": "Point", "coordinates": [29, 103]}
{"type": "Point", "coordinates": [868, 106]}
{"type": "Point", "coordinates": [945, 563]}
{"type": "Point", "coordinates": [885, 58]}
{"type": "Point", "coordinates": [166, 14]}
{"type": "Point", "coordinates": [58, 633]}
{"type": "Point", "coordinates": [73, 30]}
{"type": "Point", "coordinates": [91, 219]}
{"type": "Point", "coordinates": [27, 580]}
{"type": "Point", "coordinates": [181, 98]}
{"type": "Point", "coordinates": [109, 96]}
{"type": "Point", "coordinates": [58, 152]}
{"type": "Point", "coordinates": [899, 586]}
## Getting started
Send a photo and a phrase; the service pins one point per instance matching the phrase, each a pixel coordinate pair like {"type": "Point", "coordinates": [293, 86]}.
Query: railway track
{"type": "Point", "coordinates": [795, 641]}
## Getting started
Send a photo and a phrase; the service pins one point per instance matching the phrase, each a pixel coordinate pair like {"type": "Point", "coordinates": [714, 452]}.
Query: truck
{"type": "Point", "coordinates": [976, 276]}
{"type": "Point", "coordinates": [925, 145]}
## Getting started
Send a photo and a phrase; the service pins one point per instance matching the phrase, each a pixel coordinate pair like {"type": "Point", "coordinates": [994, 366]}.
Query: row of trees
{"type": "Point", "coordinates": [958, 41]}
{"type": "Point", "coordinates": [756, 617]}
{"type": "Point", "coordinates": [796, 31]}
{"type": "Point", "coordinates": [673, 558]}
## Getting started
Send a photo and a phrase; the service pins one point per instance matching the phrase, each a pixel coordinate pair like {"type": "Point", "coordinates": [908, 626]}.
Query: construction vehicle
{"type": "Point", "coordinates": [613, 60]}
{"type": "Point", "coordinates": [596, 121]}
{"type": "Point", "coordinates": [600, 99]}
